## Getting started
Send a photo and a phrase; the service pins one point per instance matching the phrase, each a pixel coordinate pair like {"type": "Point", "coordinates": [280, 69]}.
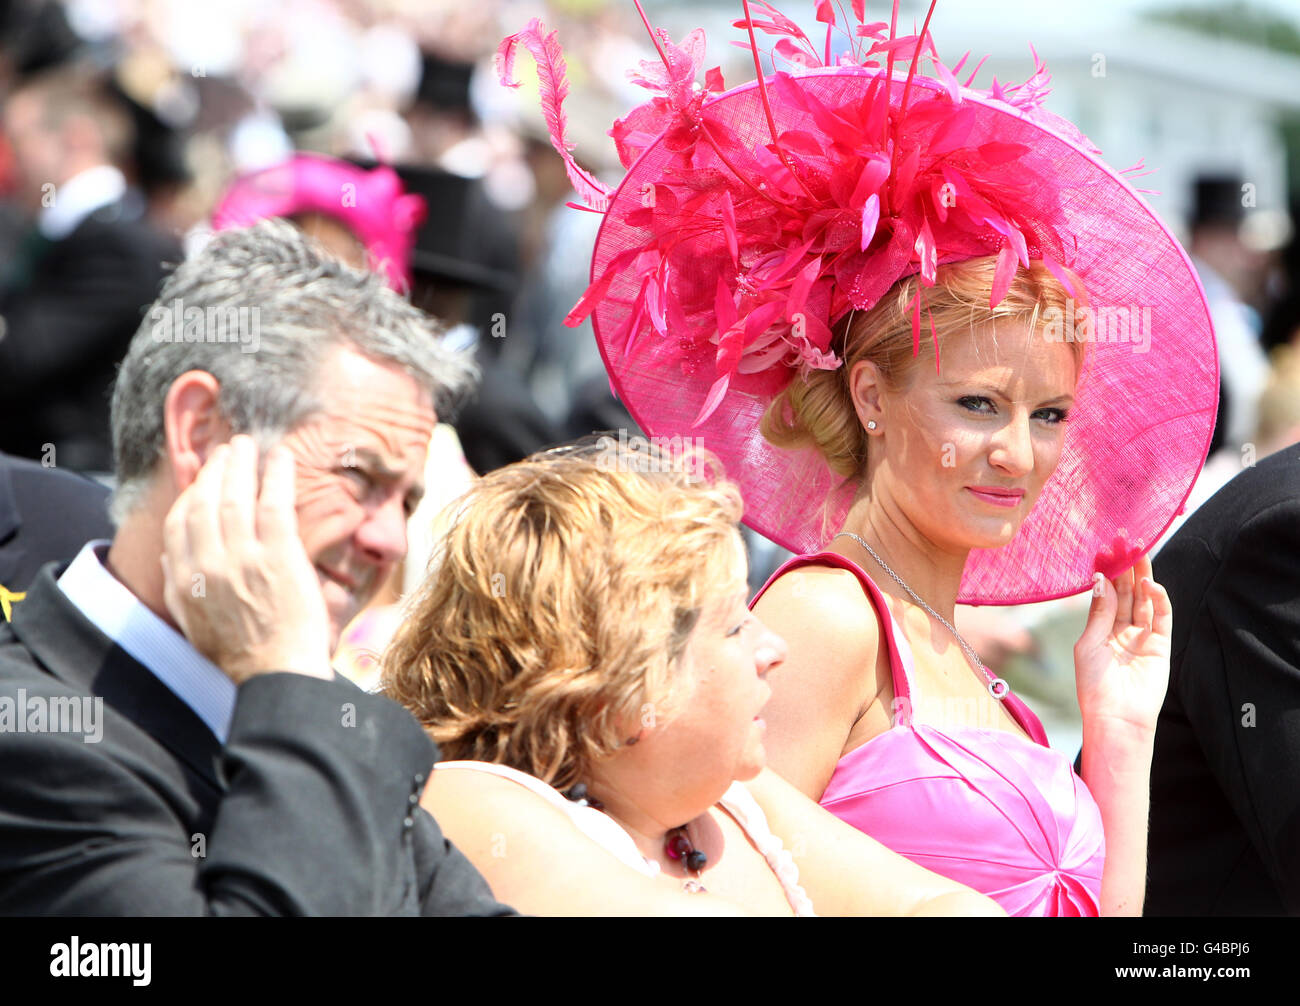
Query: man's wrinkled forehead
{"type": "Point", "coordinates": [397, 424]}
{"type": "Point", "coordinates": [381, 397]}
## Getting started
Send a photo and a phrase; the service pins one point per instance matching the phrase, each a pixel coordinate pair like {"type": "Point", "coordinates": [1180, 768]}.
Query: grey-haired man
{"type": "Point", "coordinates": [270, 423]}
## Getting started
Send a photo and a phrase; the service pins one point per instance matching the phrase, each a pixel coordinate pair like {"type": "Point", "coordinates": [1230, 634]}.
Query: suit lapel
{"type": "Point", "coordinates": [71, 648]}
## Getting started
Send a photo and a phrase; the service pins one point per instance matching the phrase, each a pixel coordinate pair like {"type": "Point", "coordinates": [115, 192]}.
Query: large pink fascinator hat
{"type": "Point", "coordinates": [754, 219]}
{"type": "Point", "coordinates": [373, 204]}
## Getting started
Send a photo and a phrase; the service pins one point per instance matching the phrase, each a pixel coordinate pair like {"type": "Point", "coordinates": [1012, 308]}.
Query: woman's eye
{"type": "Point", "coordinates": [1053, 416]}
{"type": "Point", "coordinates": [737, 630]}
{"type": "Point", "coordinates": [976, 403]}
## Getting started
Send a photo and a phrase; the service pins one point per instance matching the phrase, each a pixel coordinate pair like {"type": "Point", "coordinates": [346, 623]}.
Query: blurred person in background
{"type": "Point", "coordinates": [1233, 269]}
{"type": "Point", "coordinates": [1279, 406]}
{"type": "Point", "coordinates": [469, 258]}
{"type": "Point", "coordinates": [467, 272]}
{"type": "Point", "coordinates": [363, 217]}
{"type": "Point", "coordinates": [1230, 272]}
{"type": "Point", "coordinates": [45, 514]}
{"type": "Point", "coordinates": [1277, 427]}
{"type": "Point", "coordinates": [85, 268]}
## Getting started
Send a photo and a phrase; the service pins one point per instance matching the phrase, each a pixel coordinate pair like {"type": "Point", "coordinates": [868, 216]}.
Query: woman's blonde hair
{"type": "Point", "coordinates": [557, 606]}
{"type": "Point", "coordinates": [817, 410]}
{"type": "Point", "coordinates": [1279, 403]}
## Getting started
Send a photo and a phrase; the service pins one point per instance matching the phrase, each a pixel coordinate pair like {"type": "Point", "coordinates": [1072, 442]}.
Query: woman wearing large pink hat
{"type": "Point", "coordinates": [950, 357]}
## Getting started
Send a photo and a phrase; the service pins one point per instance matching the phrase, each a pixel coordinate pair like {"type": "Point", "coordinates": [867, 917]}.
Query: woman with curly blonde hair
{"type": "Point", "coordinates": [581, 650]}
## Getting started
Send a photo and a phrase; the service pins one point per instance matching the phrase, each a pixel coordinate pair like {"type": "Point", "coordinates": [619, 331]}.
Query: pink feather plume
{"type": "Point", "coordinates": [552, 76]}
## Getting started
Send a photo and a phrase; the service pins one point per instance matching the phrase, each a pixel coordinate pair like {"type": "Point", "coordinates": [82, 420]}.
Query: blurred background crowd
{"type": "Point", "coordinates": [128, 125]}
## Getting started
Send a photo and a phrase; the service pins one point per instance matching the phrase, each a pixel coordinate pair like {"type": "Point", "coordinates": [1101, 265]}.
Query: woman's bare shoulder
{"type": "Point", "coordinates": [831, 674]}
{"type": "Point", "coordinates": [823, 605]}
{"type": "Point", "coordinates": [455, 786]}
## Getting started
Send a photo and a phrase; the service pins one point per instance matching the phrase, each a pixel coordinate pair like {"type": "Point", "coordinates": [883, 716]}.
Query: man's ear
{"type": "Point", "coordinates": [865, 388]}
{"type": "Point", "coordinates": [192, 425]}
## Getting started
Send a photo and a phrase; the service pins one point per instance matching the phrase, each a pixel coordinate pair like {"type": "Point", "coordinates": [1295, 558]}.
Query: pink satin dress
{"type": "Point", "coordinates": [1004, 815]}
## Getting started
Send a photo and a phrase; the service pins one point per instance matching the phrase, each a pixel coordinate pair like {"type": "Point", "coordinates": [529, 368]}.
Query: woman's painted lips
{"type": "Point", "coordinates": [1008, 498]}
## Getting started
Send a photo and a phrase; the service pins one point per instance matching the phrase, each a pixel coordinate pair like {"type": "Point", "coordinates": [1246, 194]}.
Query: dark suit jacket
{"type": "Point", "coordinates": [70, 309]}
{"type": "Point", "coordinates": [311, 807]}
{"type": "Point", "coordinates": [501, 424]}
{"type": "Point", "coordinates": [45, 514]}
{"type": "Point", "coordinates": [1225, 784]}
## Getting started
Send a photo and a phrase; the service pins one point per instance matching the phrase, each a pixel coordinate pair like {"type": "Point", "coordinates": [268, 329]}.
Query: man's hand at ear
{"type": "Point", "coordinates": [236, 577]}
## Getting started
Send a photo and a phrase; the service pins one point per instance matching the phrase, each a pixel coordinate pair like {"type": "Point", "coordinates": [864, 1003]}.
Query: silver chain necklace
{"type": "Point", "coordinates": [997, 687]}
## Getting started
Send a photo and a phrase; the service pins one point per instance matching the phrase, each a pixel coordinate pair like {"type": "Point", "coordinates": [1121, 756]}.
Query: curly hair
{"type": "Point", "coordinates": [560, 601]}
{"type": "Point", "coordinates": [817, 410]}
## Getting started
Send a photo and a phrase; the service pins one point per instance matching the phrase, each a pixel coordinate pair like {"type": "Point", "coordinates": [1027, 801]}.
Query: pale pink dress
{"type": "Point", "coordinates": [1006, 816]}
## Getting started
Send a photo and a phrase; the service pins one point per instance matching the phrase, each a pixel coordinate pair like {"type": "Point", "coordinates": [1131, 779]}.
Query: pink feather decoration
{"type": "Point", "coordinates": [773, 240]}
{"type": "Point", "coordinates": [552, 76]}
{"type": "Point", "coordinates": [1003, 274]}
{"type": "Point", "coordinates": [870, 218]}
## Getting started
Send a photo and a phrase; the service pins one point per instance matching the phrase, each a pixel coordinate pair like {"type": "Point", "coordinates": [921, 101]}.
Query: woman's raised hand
{"type": "Point", "coordinates": [1121, 661]}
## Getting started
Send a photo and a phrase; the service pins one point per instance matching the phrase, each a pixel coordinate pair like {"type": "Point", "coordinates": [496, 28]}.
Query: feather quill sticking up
{"type": "Point", "coordinates": [552, 75]}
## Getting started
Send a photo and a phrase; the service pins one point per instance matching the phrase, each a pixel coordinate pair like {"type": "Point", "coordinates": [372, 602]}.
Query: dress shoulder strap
{"type": "Point", "coordinates": [547, 792]}
{"type": "Point", "coordinates": [900, 654]}
{"type": "Point", "coordinates": [741, 805]}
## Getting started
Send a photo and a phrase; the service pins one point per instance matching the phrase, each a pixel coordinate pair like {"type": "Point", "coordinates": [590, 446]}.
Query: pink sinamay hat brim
{"type": "Point", "coordinates": [1145, 407]}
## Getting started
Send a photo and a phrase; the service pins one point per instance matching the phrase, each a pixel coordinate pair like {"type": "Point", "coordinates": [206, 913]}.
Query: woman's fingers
{"type": "Point", "coordinates": [1143, 598]}
{"type": "Point", "coordinates": [1139, 592]}
{"type": "Point", "coordinates": [1101, 615]}
{"type": "Point", "coordinates": [1124, 599]}
{"type": "Point", "coordinates": [1142, 607]}
{"type": "Point", "coordinates": [1162, 609]}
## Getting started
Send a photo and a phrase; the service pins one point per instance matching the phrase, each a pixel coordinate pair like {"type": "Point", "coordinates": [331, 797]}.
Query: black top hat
{"type": "Point", "coordinates": [465, 239]}
{"type": "Point", "coordinates": [444, 83]}
{"type": "Point", "coordinates": [159, 147]}
{"type": "Point", "coordinates": [37, 37]}
{"type": "Point", "coordinates": [1217, 201]}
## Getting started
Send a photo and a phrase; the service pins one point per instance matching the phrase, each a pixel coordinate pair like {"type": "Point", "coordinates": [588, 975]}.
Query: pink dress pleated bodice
{"type": "Point", "coordinates": [1004, 815]}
